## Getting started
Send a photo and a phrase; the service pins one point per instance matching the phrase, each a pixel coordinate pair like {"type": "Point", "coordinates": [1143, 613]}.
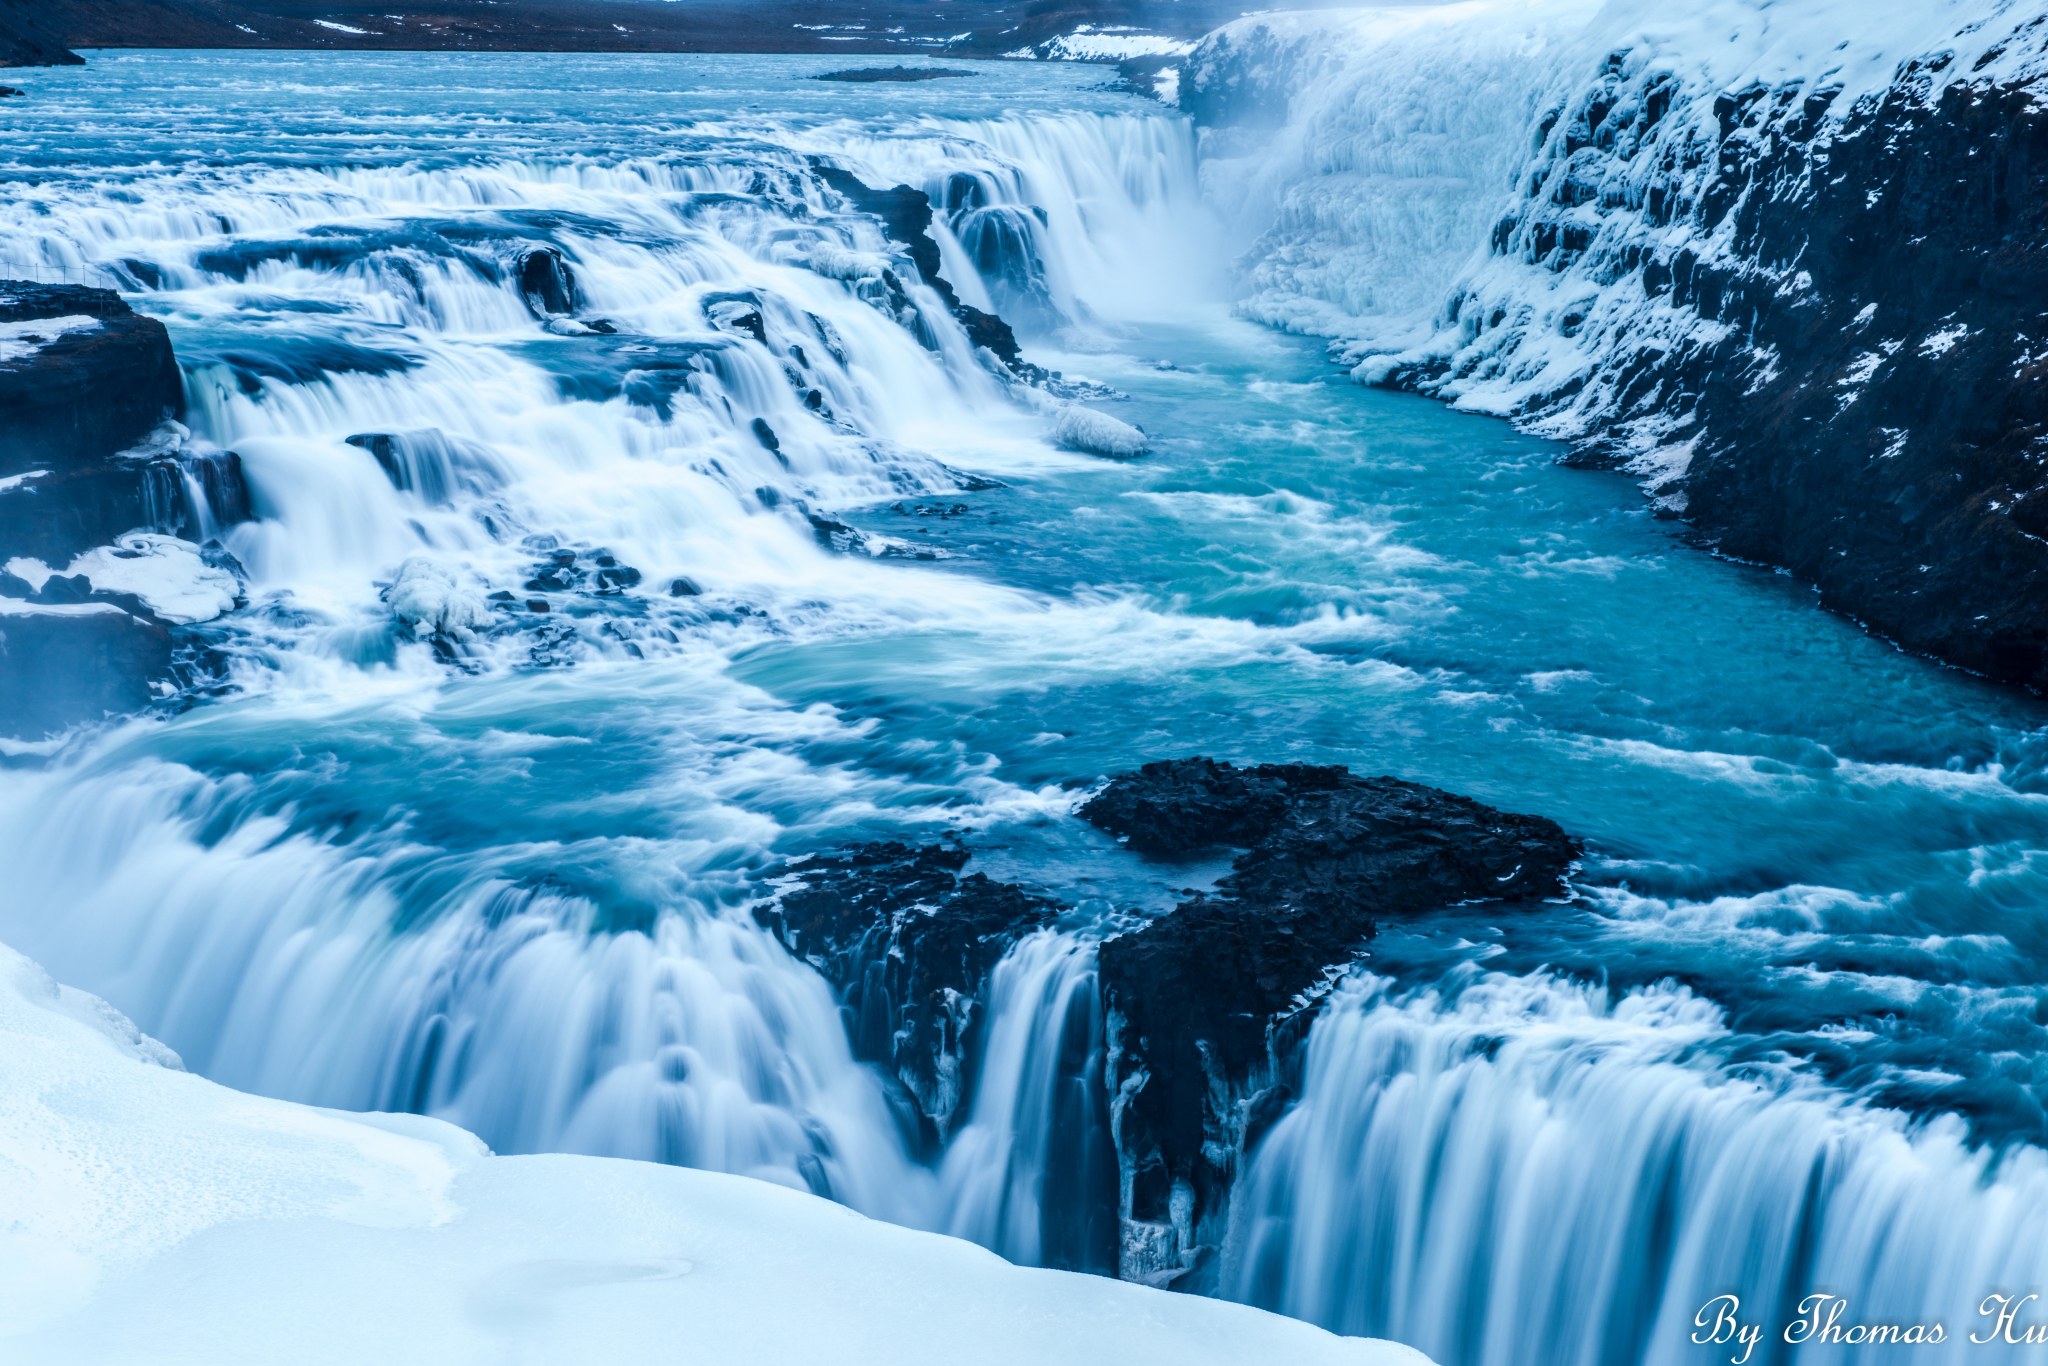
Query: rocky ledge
{"type": "Point", "coordinates": [1201, 1013]}
{"type": "Point", "coordinates": [80, 374]}
{"type": "Point", "coordinates": [103, 505]}
{"type": "Point", "coordinates": [26, 41]}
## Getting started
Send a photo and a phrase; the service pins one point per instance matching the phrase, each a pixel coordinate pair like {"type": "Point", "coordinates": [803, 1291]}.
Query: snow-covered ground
{"type": "Point", "coordinates": [152, 1215]}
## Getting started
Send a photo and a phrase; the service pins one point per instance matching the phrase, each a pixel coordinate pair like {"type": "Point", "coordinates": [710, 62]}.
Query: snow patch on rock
{"type": "Point", "coordinates": [19, 340]}
{"type": "Point", "coordinates": [170, 576]}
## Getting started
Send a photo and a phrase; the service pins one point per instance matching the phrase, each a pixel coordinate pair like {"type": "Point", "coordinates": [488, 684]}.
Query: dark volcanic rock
{"type": "Point", "coordinates": [1202, 1010]}
{"type": "Point", "coordinates": [547, 284]}
{"type": "Point", "coordinates": [873, 74]}
{"type": "Point", "coordinates": [910, 944]}
{"type": "Point", "coordinates": [63, 665]}
{"type": "Point", "coordinates": [81, 394]}
{"type": "Point", "coordinates": [906, 215]}
{"type": "Point", "coordinates": [1199, 994]}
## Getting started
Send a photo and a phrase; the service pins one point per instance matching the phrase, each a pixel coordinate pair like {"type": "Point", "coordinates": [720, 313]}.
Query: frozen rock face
{"type": "Point", "coordinates": [1778, 265]}
{"type": "Point", "coordinates": [81, 375]}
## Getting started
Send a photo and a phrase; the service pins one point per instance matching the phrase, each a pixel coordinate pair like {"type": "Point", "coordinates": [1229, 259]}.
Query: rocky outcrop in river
{"type": "Point", "coordinates": [1204, 1008]}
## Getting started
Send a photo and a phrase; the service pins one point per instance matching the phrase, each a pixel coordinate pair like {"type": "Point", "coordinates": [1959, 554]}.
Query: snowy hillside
{"type": "Point", "coordinates": [153, 1215]}
{"type": "Point", "coordinates": [1709, 242]}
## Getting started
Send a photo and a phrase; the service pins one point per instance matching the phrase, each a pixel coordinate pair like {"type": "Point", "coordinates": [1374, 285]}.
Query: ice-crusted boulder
{"type": "Point", "coordinates": [428, 601]}
{"type": "Point", "coordinates": [1778, 261]}
{"type": "Point", "coordinates": [1085, 429]}
{"type": "Point", "coordinates": [154, 1215]}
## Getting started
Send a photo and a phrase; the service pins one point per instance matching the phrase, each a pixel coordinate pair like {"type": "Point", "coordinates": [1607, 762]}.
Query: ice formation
{"type": "Point", "coordinates": [1085, 429]}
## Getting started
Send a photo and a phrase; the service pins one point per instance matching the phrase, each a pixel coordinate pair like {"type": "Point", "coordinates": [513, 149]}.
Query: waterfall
{"type": "Point", "coordinates": [443, 851]}
{"type": "Point", "coordinates": [1032, 1174]}
{"type": "Point", "coordinates": [512, 368]}
{"type": "Point", "coordinates": [1528, 1169]}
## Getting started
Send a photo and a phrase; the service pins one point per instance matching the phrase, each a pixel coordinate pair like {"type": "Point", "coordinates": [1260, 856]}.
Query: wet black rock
{"type": "Point", "coordinates": [547, 284]}
{"type": "Point", "coordinates": [906, 215]}
{"type": "Point", "coordinates": [63, 665]}
{"type": "Point", "coordinates": [890, 74]}
{"type": "Point", "coordinates": [909, 944]}
{"type": "Point", "coordinates": [1208, 999]}
{"type": "Point", "coordinates": [834, 534]}
{"type": "Point", "coordinates": [81, 394]}
{"type": "Point", "coordinates": [684, 588]}
{"type": "Point", "coordinates": [765, 434]}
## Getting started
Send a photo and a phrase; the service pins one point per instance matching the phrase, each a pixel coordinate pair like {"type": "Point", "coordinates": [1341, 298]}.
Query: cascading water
{"type": "Point", "coordinates": [1026, 1172]}
{"type": "Point", "coordinates": [1530, 1170]}
{"type": "Point", "coordinates": [437, 849]}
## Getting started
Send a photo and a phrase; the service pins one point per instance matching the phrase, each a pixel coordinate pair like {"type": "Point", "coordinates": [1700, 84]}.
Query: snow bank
{"type": "Point", "coordinates": [1084, 429]}
{"type": "Point", "coordinates": [26, 338]}
{"type": "Point", "coordinates": [155, 1216]}
{"type": "Point", "coordinates": [170, 576]}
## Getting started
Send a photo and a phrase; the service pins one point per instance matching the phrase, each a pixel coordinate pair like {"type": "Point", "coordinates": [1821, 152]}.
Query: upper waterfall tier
{"type": "Point", "coordinates": [1776, 261]}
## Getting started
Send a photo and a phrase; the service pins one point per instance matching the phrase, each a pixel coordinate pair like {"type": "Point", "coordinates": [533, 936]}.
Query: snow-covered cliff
{"type": "Point", "coordinates": [1776, 259]}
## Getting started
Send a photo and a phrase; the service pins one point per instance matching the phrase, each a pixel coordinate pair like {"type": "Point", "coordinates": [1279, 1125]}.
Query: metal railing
{"type": "Point", "coordinates": [99, 277]}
